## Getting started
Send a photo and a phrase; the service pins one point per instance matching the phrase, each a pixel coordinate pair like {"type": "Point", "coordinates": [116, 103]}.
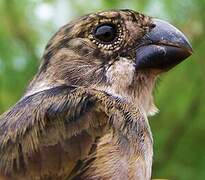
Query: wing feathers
{"type": "Point", "coordinates": [53, 117]}
{"type": "Point", "coordinates": [22, 127]}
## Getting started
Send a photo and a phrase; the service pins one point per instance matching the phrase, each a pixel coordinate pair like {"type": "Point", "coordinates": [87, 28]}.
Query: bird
{"type": "Point", "coordinates": [85, 113]}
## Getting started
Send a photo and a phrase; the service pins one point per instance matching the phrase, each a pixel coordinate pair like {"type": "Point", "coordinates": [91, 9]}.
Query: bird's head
{"type": "Point", "coordinates": [120, 52]}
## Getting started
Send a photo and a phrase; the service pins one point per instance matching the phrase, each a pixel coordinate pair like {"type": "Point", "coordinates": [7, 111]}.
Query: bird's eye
{"type": "Point", "coordinates": [106, 33]}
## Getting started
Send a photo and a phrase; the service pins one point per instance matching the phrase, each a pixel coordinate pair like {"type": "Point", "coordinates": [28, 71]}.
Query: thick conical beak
{"type": "Point", "coordinates": [162, 48]}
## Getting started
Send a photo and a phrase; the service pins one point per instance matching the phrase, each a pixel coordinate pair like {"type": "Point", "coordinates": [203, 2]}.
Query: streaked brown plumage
{"type": "Point", "coordinates": [84, 115]}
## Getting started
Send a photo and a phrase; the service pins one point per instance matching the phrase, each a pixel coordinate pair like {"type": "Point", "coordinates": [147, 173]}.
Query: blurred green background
{"type": "Point", "coordinates": [179, 128]}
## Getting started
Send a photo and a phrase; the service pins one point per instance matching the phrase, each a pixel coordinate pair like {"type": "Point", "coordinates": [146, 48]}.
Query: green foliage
{"type": "Point", "coordinates": [178, 129]}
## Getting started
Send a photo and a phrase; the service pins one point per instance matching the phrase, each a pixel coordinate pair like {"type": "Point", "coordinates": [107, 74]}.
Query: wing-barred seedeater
{"type": "Point", "coordinates": [84, 115]}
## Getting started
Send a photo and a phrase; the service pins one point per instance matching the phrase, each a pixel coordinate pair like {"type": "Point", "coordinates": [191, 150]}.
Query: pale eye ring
{"type": "Point", "coordinates": [106, 33]}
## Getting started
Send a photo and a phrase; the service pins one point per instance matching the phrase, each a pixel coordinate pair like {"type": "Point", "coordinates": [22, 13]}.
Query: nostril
{"type": "Point", "coordinates": [152, 25]}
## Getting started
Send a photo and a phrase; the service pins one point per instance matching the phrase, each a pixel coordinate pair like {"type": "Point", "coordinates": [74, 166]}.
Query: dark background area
{"type": "Point", "coordinates": [179, 128]}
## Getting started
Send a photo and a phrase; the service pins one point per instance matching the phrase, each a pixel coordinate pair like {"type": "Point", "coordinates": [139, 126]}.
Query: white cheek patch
{"type": "Point", "coordinates": [120, 75]}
